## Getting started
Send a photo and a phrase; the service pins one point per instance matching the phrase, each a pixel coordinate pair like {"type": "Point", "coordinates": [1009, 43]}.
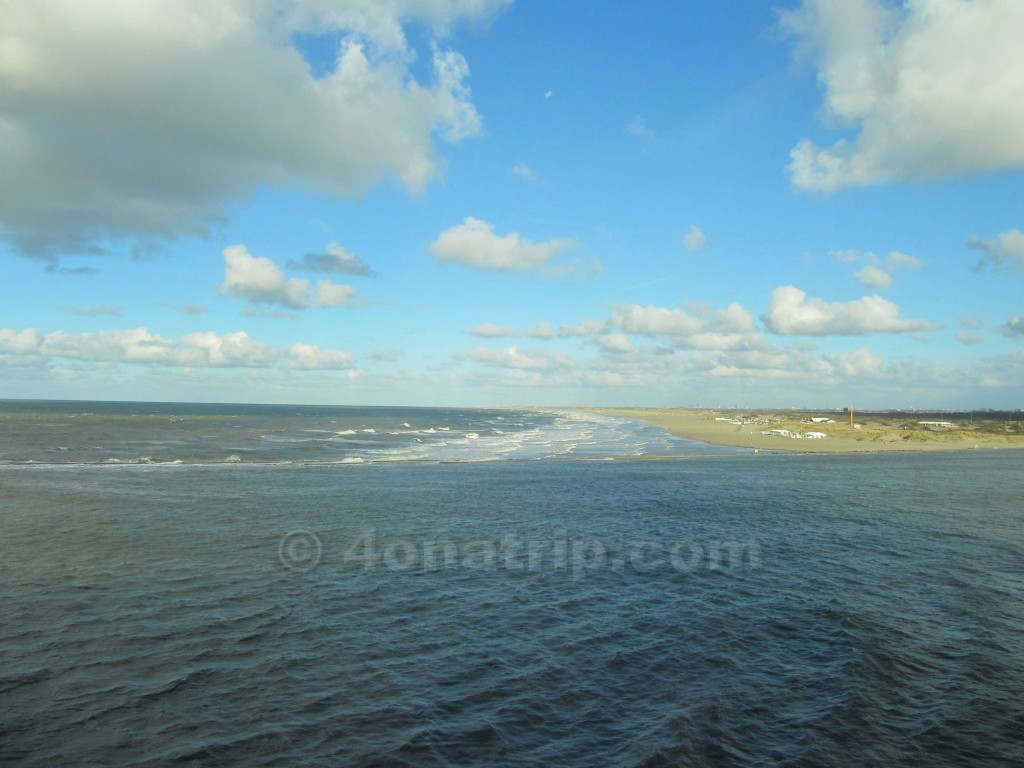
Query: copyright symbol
{"type": "Point", "coordinates": [299, 550]}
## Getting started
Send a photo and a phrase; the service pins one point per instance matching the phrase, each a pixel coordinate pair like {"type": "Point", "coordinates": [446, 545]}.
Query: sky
{"type": "Point", "coordinates": [804, 203]}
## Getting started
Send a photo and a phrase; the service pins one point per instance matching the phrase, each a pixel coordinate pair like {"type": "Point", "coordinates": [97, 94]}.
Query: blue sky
{"type": "Point", "coordinates": [810, 203]}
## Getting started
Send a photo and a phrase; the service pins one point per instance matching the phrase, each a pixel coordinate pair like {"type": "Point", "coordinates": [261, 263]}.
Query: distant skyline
{"type": "Point", "coordinates": [812, 203]}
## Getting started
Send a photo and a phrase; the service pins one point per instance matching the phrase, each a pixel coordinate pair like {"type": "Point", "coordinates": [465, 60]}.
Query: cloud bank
{"type": "Point", "coordinates": [791, 313]}
{"type": "Point", "coordinates": [202, 349]}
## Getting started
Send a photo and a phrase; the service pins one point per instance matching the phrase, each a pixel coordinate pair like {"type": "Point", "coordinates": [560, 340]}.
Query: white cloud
{"type": "Point", "coordinates": [614, 342]}
{"type": "Point", "coordinates": [209, 349]}
{"type": "Point", "coordinates": [542, 330]}
{"type": "Point", "coordinates": [474, 244]}
{"type": "Point", "coordinates": [874, 276]}
{"type": "Point", "coordinates": [138, 345]}
{"type": "Point", "coordinates": [969, 338]}
{"type": "Point", "coordinates": [877, 275]}
{"type": "Point", "coordinates": [858, 363]}
{"type": "Point", "coordinates": [307, 357]}
{"type": "Point", "coordinates": [24, 342]}
{"type": "Point", "coordinates": [935, 89]}
{"type": "Point", "coordinates": [335, 260]}
{"type": "Point", "coordinates": [791, 313]}
{"type": "Point", "coordinates": [582, 328]}
{"type": "Point", "coordinates": [261, 281]}
{"type": "Point", "coordinates": [1007, 252]}
{"type": "Point", "coordinates": [202, 349]}
{"type": "Point", "coordinates": [147, 119]}
{"type": "Point", "coordinates": [704, 328]}
{"type": "Point", "coordinates": [491, 331]}
{"type": "Point", "coordinates": [695, 239]}
{"type": "Point", "coordinates": [902, 260]}
{"type": "Point", "coordinates": [652, 320]}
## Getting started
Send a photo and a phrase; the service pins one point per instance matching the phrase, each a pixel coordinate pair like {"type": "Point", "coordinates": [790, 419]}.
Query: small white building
{"type": "Point", "coordinates": [778, 433]}
{"type": "Point", "coordinates": [815, 435]}
{"type": "Point", "coordinates": [937, 424]}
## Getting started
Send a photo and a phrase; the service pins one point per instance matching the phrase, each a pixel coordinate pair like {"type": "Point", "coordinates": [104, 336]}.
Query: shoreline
{"type": "Point", "coordinates": [702, 427]}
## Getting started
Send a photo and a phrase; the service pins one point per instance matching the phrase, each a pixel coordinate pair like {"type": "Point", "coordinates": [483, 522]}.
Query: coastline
{"type": "Point", "coordinates": [702, 427]}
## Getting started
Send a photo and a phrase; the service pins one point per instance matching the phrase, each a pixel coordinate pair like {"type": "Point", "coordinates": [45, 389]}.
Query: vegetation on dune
{"type": "Point", "coordinates": [1005, 429]}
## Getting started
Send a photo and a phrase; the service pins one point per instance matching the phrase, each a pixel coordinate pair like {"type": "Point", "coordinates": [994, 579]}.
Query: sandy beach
{"type": "Point", "coordinates": [873, 435]}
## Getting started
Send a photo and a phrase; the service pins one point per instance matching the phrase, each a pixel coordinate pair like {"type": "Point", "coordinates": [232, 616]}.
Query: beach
{"type": "Point", "coordinates": [873, 435]}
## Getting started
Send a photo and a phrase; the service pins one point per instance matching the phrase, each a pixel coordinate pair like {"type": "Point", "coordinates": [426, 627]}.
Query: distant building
{"type": "Point", "coordinates": [937, 424]}
{"type": "Point", "coordinates": [816, 435]}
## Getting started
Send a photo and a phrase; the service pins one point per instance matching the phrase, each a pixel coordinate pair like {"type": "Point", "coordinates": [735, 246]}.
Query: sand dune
{"type": "Point", "coordinates": [874, 435]}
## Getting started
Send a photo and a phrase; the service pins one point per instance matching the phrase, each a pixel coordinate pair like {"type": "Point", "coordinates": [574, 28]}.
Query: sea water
{"type": "Point", "coordinates": [269, 585]}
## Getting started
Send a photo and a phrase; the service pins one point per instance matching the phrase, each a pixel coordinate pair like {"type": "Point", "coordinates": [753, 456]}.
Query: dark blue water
{"type": "Point", "coordinates": [774, 610]}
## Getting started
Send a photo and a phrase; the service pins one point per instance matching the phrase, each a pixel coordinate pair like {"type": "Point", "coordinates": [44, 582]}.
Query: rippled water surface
{"type": "Point", "coordinates": [721, 610]}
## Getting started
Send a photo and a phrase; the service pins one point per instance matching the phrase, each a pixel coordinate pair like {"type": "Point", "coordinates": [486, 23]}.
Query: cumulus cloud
{"type": "Point", "coordinates": [202, 349]}
{"type": "Point", "coordinates": [701, 328]}
{"type": "Point", "coordinates": [147, 119]}
{"type": "Point", "coordinates": [261, 281]}
{"type": "Point", "coordinates": [24, 342]}
{"type": "Point", "coordinates": [542, 330]}
{"type": "Point", "coordinates": [614, 342]}
{"type": "Point", "coordinates": [653, 320]}
{"type": "Point", "coordinates": [334, 261]}
{"type": "Point", "coordinates": [873, 276]}
{"type": "Point", "coordinates": [934, 89]}
{"type": "Point", "coordinates": [1006, 252]}
{"type": "Point", "coordinates": [791, 313]}
{"type": "Point", "coordinates": [307, 357]}
{"type": "Point", "coordinates": [877, 275]}
{"type": "Point", "coordinates": [695, 239]}
{"type": "Point", "coordinates": [858, 363]}
{"type": "Point", "coordinates": [582, 328]}
{"type": "Point", "coordinates": [474, 244]}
